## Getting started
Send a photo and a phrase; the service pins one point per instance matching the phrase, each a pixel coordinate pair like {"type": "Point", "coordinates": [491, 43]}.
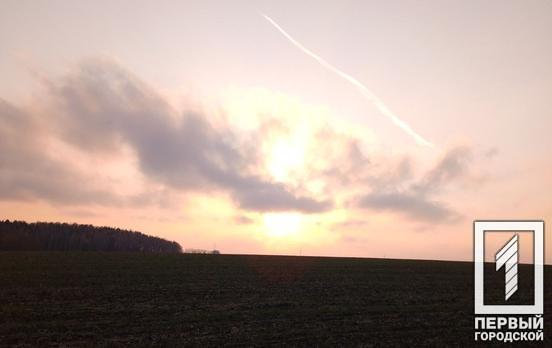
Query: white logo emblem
{"type": "Point", "coordinates": [507, 258]}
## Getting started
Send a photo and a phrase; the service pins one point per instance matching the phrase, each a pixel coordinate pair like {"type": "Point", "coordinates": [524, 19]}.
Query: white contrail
{"type": "Point", "coordinates": [365, 91]}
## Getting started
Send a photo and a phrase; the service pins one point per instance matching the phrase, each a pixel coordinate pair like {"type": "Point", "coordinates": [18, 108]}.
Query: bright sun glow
{"type": "Point", "coordinates": [282, 224]}
{"type": "Point", "coordinates": [285, 156]}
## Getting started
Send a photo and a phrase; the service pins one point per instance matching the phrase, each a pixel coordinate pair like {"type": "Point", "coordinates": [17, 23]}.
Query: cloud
{"type": "Point", "coordinates": [453, 165]}
{"type": "Point", "coordinates": [27, 172]}
{"type": "Point", "coordinates": [414, 206]}
{"type": "Point", "coordinates": [491, 153]}
{"type": "Point", "coordinates": [101, 108]}
{"type": "Point", "coordinates": [243, 220]}
{"type": "Point", "coordinates": [274, 197]}
{"type": "Point", "coordinates": [416, 200]}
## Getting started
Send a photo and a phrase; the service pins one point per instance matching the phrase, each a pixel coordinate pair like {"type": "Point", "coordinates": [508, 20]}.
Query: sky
{"type": "Point", "coordinates": [205, 123]}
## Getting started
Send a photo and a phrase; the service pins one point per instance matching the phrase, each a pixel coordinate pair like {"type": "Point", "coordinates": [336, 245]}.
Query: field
{"type": "Point", "coordinates": [122, 299]}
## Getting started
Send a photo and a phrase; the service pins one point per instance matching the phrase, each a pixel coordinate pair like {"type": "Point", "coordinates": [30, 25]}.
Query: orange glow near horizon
{"type": "Point", "coordinates": [282, 225]}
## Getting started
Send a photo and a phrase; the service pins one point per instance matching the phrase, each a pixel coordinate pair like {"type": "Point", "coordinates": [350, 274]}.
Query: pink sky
{"type": "Point", "coordinates": [199, 122]}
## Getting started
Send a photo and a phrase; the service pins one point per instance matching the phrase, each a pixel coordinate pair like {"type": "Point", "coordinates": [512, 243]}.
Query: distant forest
{"type": "Point", "coordinates": [20, 235]}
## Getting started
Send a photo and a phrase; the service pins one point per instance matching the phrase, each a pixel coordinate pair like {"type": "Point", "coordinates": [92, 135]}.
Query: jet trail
{"type": "Point", "coordinates": [363, 90]}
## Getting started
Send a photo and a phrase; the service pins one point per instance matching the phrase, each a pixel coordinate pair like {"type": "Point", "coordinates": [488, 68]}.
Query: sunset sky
{"type": "Point", "coordinates": [200, 122]}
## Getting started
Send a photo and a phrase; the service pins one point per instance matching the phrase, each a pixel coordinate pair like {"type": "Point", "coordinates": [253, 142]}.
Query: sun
{"type": "Point", "coordinates": [280, 225]}
{"type": "Point", "coordinates": [285, 156]}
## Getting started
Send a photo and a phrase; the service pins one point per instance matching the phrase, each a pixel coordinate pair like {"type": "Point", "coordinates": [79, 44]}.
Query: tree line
{"type": "Point", "coordinates": [20, 235]}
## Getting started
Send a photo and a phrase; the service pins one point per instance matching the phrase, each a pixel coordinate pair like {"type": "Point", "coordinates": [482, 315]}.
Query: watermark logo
{"type": "Point", "coordinates": [507, 258]}
{"type": "Point", "coordinates": [509, 321]}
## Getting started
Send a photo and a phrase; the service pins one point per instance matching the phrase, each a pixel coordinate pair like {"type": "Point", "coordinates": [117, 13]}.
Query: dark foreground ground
{"type": "Point", "coordinates": [118, 299]}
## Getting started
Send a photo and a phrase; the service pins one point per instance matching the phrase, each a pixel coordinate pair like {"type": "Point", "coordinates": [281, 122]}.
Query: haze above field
{"type": "Point", "coordinates": [200, 122]}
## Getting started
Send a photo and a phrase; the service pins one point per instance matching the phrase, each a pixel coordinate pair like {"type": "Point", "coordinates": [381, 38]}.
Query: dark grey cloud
{"type": "Point", "coordinates": [453, 165]}
{"type": "Point", "coordinates": [492, 152]}
{"type": "Point", "coordinates": [27, 172]}
{"type": "Point", "coordinates": [351, 162]}
{"type": "Point", "coordinates": [416, 200]}
{"type": "Point", "coordinates": [243, 220]}
{"type": "Point", "coordinates": [274, 197]}
{"type": "Point", "coordinates": [413, 205]}
{"type": "Point", "coordinates": [101, 107]}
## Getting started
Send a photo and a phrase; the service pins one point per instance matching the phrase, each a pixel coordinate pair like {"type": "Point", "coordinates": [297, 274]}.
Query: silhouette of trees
{"type": "Point", "coordinates": [20, 235]}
